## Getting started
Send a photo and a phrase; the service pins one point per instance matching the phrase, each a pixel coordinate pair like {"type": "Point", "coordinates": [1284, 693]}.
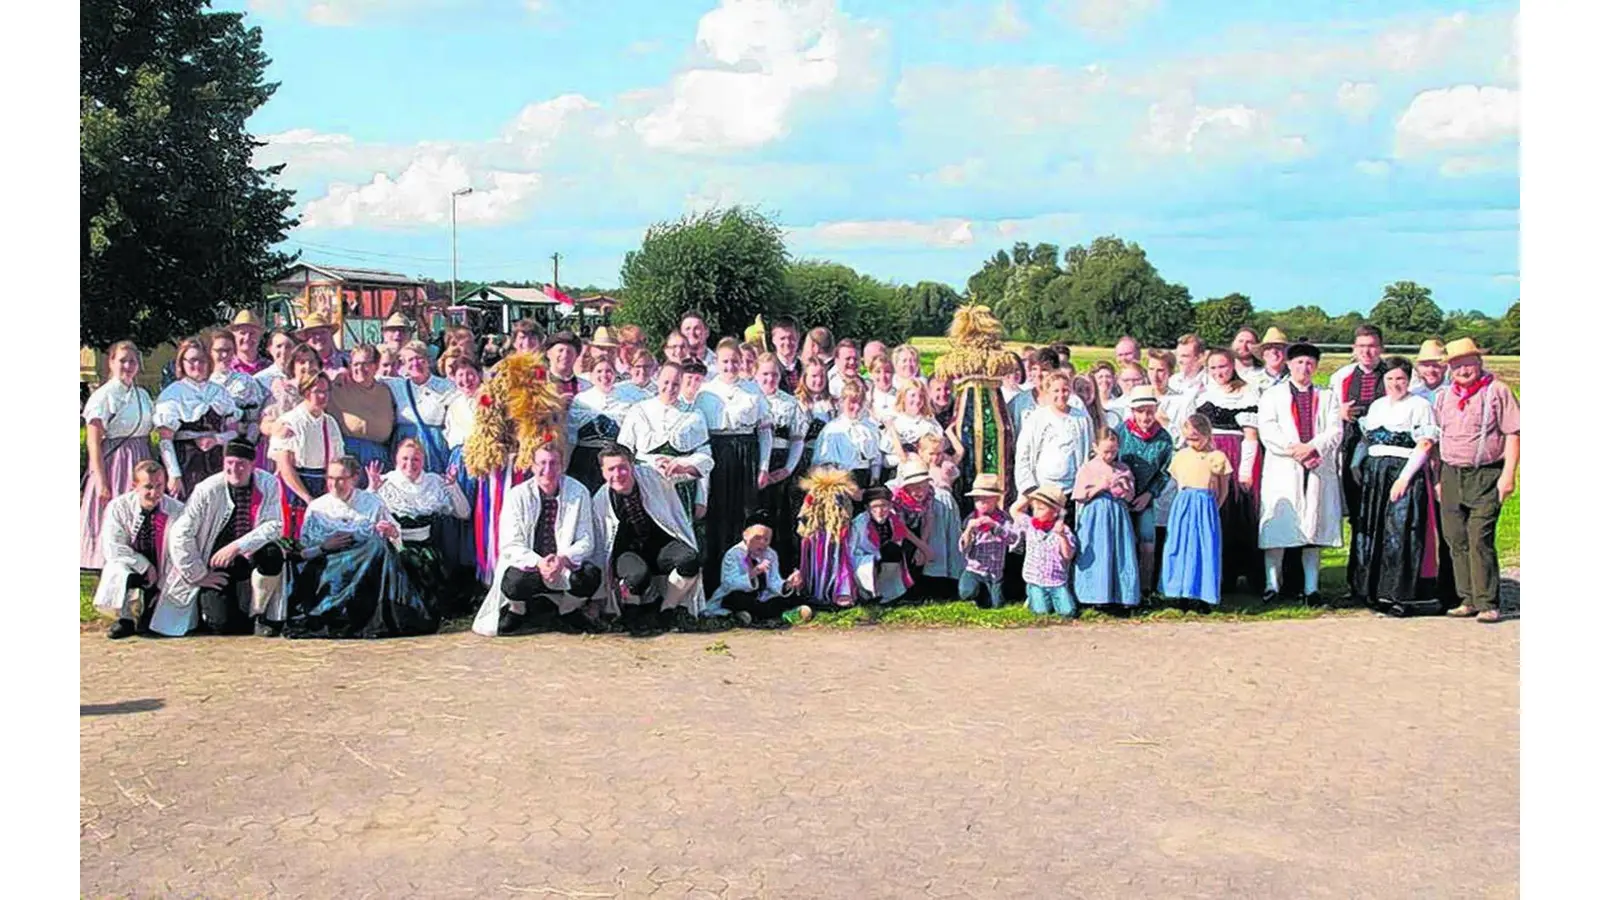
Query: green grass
{"type": "Point", "coordinates": [957, 614]}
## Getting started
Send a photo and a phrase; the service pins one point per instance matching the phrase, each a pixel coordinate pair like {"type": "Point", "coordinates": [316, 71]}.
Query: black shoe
{"type": "Point", "coordinates": [510, 622]}
{"type": "Point", "coordinates": [1315, 599]}
{"type": "Point", "coordinates": [1269, 597]}
{"type": "Point", "coordinates": [120, 629]}
{"type": "Point", "coordinates": [265, 628]}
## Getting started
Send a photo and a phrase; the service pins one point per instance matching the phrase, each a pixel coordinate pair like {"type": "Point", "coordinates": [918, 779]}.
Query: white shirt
{"type": "Point", "coordinates": [728, 407]}
{"type": "Point", "coordinates": [1412, 415]}
{"type": "Point", "coordinates": [314, 441]}
{"type": "Point", "coordinates": [123, 410]}
{"type": "Point", "coordinates": [1189, 384]}
{"type": "Point", "coordinates": [460, 417]}
{"type": "Point", "coordinates": [736, 575]}
{"type": "Point", "coordinates": [883, 403]}
{"type": "Point", "coordinates": [789, 424]}
{"type": "Point", "coordinates": [327, 516]}
{"type": "Point", "coordinates": [593, 403]}
{"type": "Point", "coordinates": [905, 431]}
{"type": "Point", "coordinates": [186, 401]}
{"type": "Point", "coordinates": [1248, 400]}
{"type": "Point", "coordinates": [850, 444]}
{"type": "Point", "coordinates": [1052, 447]}
{"type": "Point", "coordinates": [432, 400]}
{"type": "Point", "coordinates": [430, 495]}
{"type": "Point", "coordinates": [651, 424]}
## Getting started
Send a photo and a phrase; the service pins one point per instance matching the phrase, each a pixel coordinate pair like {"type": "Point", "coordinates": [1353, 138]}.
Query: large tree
{"type": "Point", "coordinates": [1407, 310]}
{"type": "Point", "coordinates": [176, 224]}
{"type": "Point", "coordinates": [931, 305]}
{"type": "Point", "coordinates": [1217, 320]}
{"type": "Point", "coordinates": [1110, 288]}
{"type": "Point", "coordinates": [987, 286]}
{"type": "Point", "coordinates": [850, 305]}
{"type": "Point", "coordinates": [727, 263]}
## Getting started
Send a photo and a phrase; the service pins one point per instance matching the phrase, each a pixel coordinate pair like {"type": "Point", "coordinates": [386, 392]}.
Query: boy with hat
{"type": "Point", "coordinates": [1146, 449]}
{"type": "Point", "coordinates": [1430, 370]}
{"type": "Point", "coordinates": [247, 330]}
{"type": "Point", "coordinates": [1480, 442]}
{"type": "Point", "coordinates": [1048, 549]}
{"type": "Point", "coordinates": [878, 539]}
{"type": "Point", "coordinates": [986, 537]}
{"type": "Point", "coordinates": [1300, 431]}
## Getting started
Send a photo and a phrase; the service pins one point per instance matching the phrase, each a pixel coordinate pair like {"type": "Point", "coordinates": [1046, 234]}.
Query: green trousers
{"type": "Point", "coordinates": [1469, 507]}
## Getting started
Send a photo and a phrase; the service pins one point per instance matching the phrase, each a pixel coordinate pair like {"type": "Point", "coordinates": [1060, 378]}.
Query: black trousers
{"type": "Point", "coordinates": [636, 568]}
{"type": "Point", "coordinates": [138, 582]}
{"type": "Point", "coordinates": [227, 610]}
{"type": "Point", "coordinates": [529, 587]}
{"type": "Point", "coordinates": [746, 601]}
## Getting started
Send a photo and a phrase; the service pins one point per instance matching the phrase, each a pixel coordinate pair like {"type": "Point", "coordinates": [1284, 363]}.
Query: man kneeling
{"type": "Point", "coordinates": [643, 533]}
{"type": "Point", "coordinates": [134, 530]}
{"type": "Point", "coordinates": [354, 583]}
{"type": "Point", "coordinates": [546, 541]}
{"type": "Point", "coordinates": [226, 566]}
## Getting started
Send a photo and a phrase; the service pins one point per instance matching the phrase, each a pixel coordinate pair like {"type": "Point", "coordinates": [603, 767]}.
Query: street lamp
{"type": "Point", "coordinates": [453, 195]}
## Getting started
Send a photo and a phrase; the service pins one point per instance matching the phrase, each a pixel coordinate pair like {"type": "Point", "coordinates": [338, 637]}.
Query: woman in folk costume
{"type": "Point", "coordinates": [303, 362]}
{"type": "Point", "coordinates": [1396, 555]}
{"type": "Point", "coordinates": [457, 537]}
{"type": "Point", "coordinates": [670, 436]}
{"type": "Point", "coordinates": [354, 583]}
{"type": "Point", "coordinates": [911, 422]}
{"type": "Point", "coordinates": [651, 561]}
{"type": "Point", "coordinates": [133, 537]}
{"type": "Point", "coordinates": [195, 418]}
{"type": "Point", "coordinates": [595, 419]}
{"type": "Point", "coordinates": [1105, 571]}
{"type": "Point", "coordinates": [117, 420]}
{"type": "Point", "coordinates": [1300, 430]}
{"type": "Point", "coordinates": [740, 424]}
{"type": "Point", "coordinates": [851, 440]}
{"type": "Point", "coordinates": [789, 423]}
{"type": "Point", "coordinates": [364, 409]}
{"type": "Point", "coordinates": [547, 553]}
{"type": "Point", "coordinates": [827, 569]}
{"type": "Point", "coordinates": [820, 406]}
{"type": "Point", "coordinates": [421, 401]}
{"type": "Point", "coordinates": [304, 442]}
{"type": "Point", "coordinates": [247, 393]}
{"type": "Point", "coordinates": [226, 559]}
{"type": "Point", "coordinates": [421, 502]}
{"type": "Point", "coordinates": [518, 412]}
{"type": "Point", "coordinates": [882, 548]}
{"type": "Point", "coordinates": [1191, 559]}
{"type": "Point", "coordinates": [1231, 406]}
{"type": "Point", "coordinates": [976, 363]}
{"type": "Point", "coordinates": [1054, 443]}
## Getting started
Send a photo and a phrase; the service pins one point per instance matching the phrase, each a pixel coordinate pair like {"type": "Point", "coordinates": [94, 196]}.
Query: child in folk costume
{"type": "Point", "coordinates": [910, 422]}
{"type": "Point", "coordinates": [1105, 571]}
{"type": "Point", "coordinates": [851, 440]}
{"type": "Point", "coordinates": [985, 539]}
{"type": "Point", "coordinates": [1146, 448]}
{"type": "Point", "coordinates": [304, 443]}
{"type": "Point", "coordinates": [1300, 428]}
{"type": "Point", "coordinates": [1191, 562]}
{"type": "Point", "coordinates": [882, 548]}
{"type": "Point", "coordinates": [117, 420]}
{"type": "Point", "coordinates": [1048, 548]}
{"type": "Point", "coordinates": [133, 537]}
{"type": "Point", "coordinates": [753, 586]}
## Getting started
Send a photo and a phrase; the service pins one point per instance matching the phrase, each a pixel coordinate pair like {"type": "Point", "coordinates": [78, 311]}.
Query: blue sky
{"type": "Point", "coordinates": [1306, 152]}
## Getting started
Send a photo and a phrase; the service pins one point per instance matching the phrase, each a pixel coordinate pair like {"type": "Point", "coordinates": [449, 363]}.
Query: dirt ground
{"type": "Point", "coordinates": [1338, 757]}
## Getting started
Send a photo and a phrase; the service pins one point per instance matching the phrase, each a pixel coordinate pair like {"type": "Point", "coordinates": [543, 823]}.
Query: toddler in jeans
{"type": "Point", "coordinates": [984, 541]}
{"type": "Point", "coordinates": [1048, 549]}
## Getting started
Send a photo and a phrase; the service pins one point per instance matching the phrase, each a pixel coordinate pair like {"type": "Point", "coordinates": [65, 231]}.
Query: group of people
{"type": "Point", "coordinates": [280, 485]}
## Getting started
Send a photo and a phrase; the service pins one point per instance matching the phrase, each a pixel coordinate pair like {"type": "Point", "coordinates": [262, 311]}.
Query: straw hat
{"type": "Point", "coordinates": [986, 485]}
{"type": "Point", "coordinates": [1461, 347]}
{"type": "Point", "coordinates": [397, 320]}
{"type": "Point", "coordinates": [1432, 350]}
{"type": "Point", "coordinates": [602, 338]}
{"type": "Point", "coordinates": [247, 318]}
{"type": "Point", "coordinates": [1274, 336]}
{"type": "Point", "coordinates": [1051, 494]}
{"type": "Point", "coordinates": [312, 323]}
{"type": "Point", "coordinates": [912, 471]}
{"type": "Point", "coordinates": [1143, 395]}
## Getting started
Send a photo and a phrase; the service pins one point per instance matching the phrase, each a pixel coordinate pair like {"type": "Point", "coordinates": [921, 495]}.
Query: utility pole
{"type": "Point", "coordinates": [453, 195]}
{"type": "Point", "coordinates": [555, 271]}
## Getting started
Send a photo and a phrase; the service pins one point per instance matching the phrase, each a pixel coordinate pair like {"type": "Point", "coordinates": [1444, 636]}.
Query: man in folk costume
{"type": "Point", "coordinates": [132, 540]}
{"type": "Point", "coordinates": [546, 552]}
{"type": "Point", "coordinates": [1300, 432]}
{"type": "Point", "coordinates": [1354, 387]}
{"type": "Point", "coordinates": [562, 351]}
{"type": "Point", "coordinates": [225, 566]}
{"type": "Point", "coordinates": [786, 346]}
{"type": "Point", "coordinates": [647, 544]}
{"type": "Point", "coordinates": [1274, 360]}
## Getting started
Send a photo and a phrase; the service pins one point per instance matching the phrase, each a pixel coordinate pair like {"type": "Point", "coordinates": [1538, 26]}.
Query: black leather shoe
{"type": "Point", "coordinates": [120, 629]}
{"type": "Point", "coordinates": [510, 622]}
{"type": "Point", "coordinates": [1269, 596]}
{"type": "Point", "coordinates": [265, 628]}
{"type": "Point", "coordinates": [1315, 599]}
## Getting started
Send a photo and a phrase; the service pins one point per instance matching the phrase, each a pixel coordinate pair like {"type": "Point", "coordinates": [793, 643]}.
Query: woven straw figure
{"type": "Point", "coordinates": [519, 411]}
{"type": "Point", "coordinates": [975, 364]}
{"type": "Point", "coordinates": [824, 529]}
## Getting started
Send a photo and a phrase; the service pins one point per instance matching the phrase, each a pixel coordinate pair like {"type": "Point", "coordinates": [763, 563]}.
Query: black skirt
{"type": "Point", "coordinates": [736, 465]}
{"type": "Point", "coordinates": [1395, 552]}
{"type": "Point", "coordinates": [778, 501]}
{"type": "Point", "coordinates": [584, 467]}
{"type": "Point", "coordinates": [362, 592]}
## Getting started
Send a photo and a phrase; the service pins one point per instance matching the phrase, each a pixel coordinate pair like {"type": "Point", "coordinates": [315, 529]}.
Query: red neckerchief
{"type": "Point", "coordinates": [1465, 395]}
{"type": "Point", "coordinates": [1155, 429]}
{"type": "Point", "coordinates": [1043, 525]}
{"type": "Point", "coordinates": [908, 503]}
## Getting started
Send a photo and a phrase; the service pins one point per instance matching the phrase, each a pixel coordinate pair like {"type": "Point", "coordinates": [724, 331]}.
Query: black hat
{"type": "Point", "coordinates": [876, 492]}
{"type": "Point", "coordinates": [1303, 348]}
{"type": "Point", "coordinates": [758, 517]}
{"type": "Point", "coordinates": [239, 448]}
{"type": "Point", "coordinates": [564, 337]}
{"type": "Point", "coordinates": [694, 367]}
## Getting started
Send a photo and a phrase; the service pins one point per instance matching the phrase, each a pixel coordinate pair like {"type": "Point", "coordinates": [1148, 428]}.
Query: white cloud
{"type": "Point", "coordinates": [884, 233]}
{"type": "Point", "coordinates": [1109, 16]}
{"type": "Point", "coordinates": [952, 174]}
{"type": "Point", "coordinates": [1006, 23]}
{"type": "Point", "coordinates": [1177, 125]}
{"type": "Point", "coordinates": [764, 59]}
{"type": "Point", "coordinates": [1459, 117]}
{"type": "Point", "coordinates": [997, 100]}
{"type": "Point", "coordinates": [1357, 99]}
{"type": "Point", "coordinates": [1377, 168]}
{"type": "Point", "coordinates": [422, 195]}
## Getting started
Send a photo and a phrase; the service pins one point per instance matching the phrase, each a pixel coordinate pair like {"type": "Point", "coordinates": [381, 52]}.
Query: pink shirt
{"type": "Point", "coordinates": [1476, 435]}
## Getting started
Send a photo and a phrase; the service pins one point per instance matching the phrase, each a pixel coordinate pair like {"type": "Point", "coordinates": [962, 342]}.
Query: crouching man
{"type": "Point", "coordinates": [226, 568]}
{"type": "Point", "coordinates": [131, 538]}
{"type": "Point", "coordinates": [546, 551]}
{"type": "Point", "coordinates": [643, 533]}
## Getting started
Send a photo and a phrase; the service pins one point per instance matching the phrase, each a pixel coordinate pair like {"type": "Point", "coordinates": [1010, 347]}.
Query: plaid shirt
{"type": "Point", "coordinates": [986, 555]}
{"type": "Point", "coordinates": [1041, 561]}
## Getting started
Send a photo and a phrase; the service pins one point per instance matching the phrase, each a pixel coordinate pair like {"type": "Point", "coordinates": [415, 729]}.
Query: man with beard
{"type": "Point", "coordinates": [1245, 361]}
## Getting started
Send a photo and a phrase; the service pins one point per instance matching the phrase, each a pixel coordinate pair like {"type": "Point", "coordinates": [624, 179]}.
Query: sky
{"type": "Point", "coordinates": [1298, 153]}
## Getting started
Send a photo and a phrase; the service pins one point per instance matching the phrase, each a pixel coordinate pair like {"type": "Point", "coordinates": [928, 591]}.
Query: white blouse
{"type": "Point", "coordinates": [430, 495]}
{"type": "Point", "coordinates": [432, 400]}
{"type": "Point", "coordinates": [460, 416]}
{"type": "Point", "coordinates": [1052, 447]}
{"type": "Point", "coordinates": [849, 444]}
{"type": "Point", "coordinates": [592, 404]}
{"type": "Point", "coordinates": [652, 423]}
{"type": "Point", "coordinates": [123, 410]}
{"type": "Point", "coordinates": [883, 403]}
{"type": "Point", "coordinates": [1412, 415]}
{"type": "Point", "coordinates": [905, 431]}
{"type": "Point", "coordinates": [1243, 403]}
{"type": "Point", "coordinates": [327, 516]}
{"type": "Point", "coordinates": [186, 401]}
{"type": "Point", "coordinates": [728, 407]}
{"type": "Point", "coordinates": [245, 390]}
{"type": "Point", "coordinates": [314, 441]}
